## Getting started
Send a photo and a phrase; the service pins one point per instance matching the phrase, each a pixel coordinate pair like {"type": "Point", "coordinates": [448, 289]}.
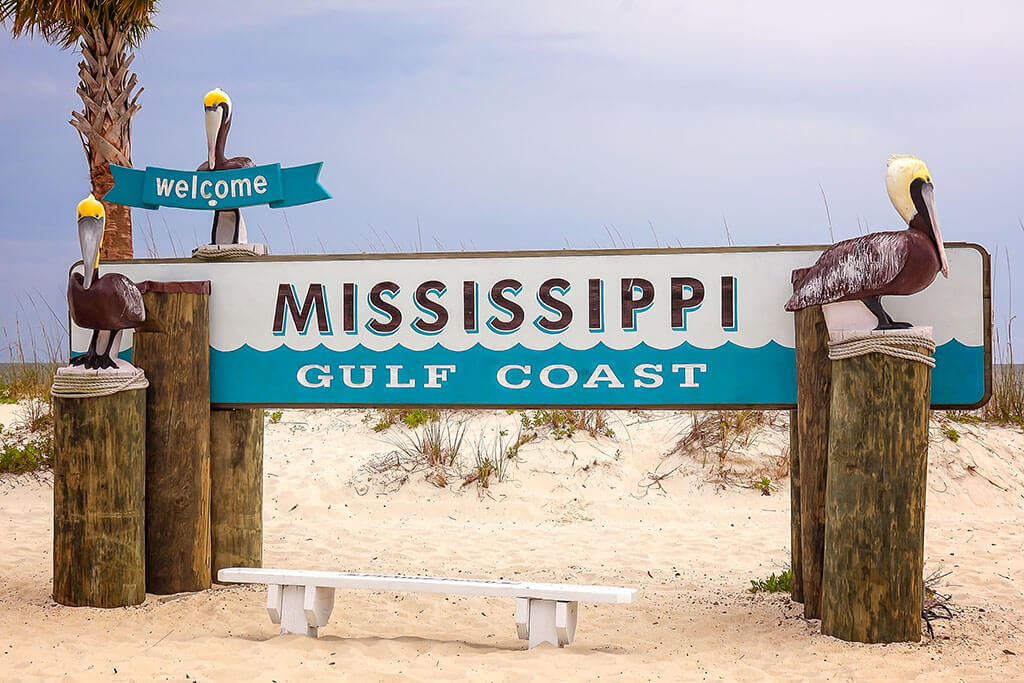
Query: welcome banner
{"type": "Point", "coordinates": [666, 328]}
{"type": "Point", "coordinates": [269, 184]}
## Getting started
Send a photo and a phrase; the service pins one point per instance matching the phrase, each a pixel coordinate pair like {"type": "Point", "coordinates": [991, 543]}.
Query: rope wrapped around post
{"type": "Point", "coordinates": [897, 345]}
{"type": "Point", "coordinates": [78, 384]}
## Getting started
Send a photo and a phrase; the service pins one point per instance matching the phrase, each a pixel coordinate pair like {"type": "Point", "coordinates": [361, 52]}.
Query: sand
{"type": "Point", "coordinates": [571, 509]}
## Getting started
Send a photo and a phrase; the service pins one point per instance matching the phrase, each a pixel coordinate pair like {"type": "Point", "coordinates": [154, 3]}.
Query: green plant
{"type": "Point", "coordinates": [28, 457]}
{"type": "Point", "coordinates": [437, 442]}
{"type": "Point", "coordinates": [27, 445]}
{"type": "Point", "coordinates": [564, 423]}
{"type": "Point", "coordinates": [951, 434]}
{"type": "Point", "coordinates": [411, 418]}
{"type": "Point", "coordinates": [773, 584]}
{"type": "Point", "coordinates": [764, 485]}
{"type": "Point", "coordinates": [418, 416]}
{"type": "Point", "coordinates": [492, 458]}
{"type": "Point", "coordinates": [276, 416]}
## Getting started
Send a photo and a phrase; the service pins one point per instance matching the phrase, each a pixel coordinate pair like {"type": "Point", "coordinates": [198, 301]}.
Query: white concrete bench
{"type": "Point", "coordinates": [301, 601]}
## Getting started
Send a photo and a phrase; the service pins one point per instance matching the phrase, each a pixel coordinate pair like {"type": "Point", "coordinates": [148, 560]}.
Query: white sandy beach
{"type": "Point", "coordinates": [571, 510]}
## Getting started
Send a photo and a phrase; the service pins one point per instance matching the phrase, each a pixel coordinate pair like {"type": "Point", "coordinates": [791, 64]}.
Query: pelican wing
{"type": "Point", "coordinates": [863, 264]}
{"type": "Point", "coordinates": [134, 311]}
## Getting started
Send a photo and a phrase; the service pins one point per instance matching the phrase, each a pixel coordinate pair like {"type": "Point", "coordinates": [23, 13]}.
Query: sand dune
{"type": "Point", "coordinates": [572, 509]}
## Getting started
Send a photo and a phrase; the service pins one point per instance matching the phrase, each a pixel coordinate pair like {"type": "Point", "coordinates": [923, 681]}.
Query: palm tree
{"type": "Point", "coordinates": [106, 31]}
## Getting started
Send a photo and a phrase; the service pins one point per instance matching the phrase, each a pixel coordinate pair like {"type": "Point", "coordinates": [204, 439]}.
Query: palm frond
{"type": "Point", "coordinates": [63, 22]}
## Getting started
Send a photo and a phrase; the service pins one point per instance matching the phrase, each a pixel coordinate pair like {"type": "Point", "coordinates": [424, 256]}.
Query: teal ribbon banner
{"type": "Point", "coordinates": [215, 190]}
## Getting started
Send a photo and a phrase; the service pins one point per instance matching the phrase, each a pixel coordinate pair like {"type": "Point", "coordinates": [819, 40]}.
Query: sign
{"type": "Point", "coordinates": [268, 184]}
{"type": "Point", "coordinates": [664, 328]}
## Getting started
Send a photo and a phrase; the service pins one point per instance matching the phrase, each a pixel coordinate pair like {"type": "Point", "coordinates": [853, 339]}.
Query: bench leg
{"type": "Point", "coordinates": [546, 621]}
{"type": "Point", "coordinates": [300, 609]}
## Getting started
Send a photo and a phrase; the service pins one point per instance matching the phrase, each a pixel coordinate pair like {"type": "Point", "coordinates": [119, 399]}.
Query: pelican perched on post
{"type": "Point", "coordinates": [865, 269]}
{"type": "Point", "coordinates": [228, 225]}
{"type": "Point", "coordinates": [106, 305]}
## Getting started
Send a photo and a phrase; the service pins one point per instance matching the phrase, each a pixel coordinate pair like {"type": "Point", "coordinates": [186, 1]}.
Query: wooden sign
{"type": "Point", "coordinates": [655, 328]}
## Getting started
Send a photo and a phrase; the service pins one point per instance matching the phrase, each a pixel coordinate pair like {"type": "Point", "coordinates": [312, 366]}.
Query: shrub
{"type": "Point", "coordinates": [493, 457]}
{"type": "Point", "coordinates": [565, 423]}
{"type": "Point", "coordinates": [773, 584]}
{"type": "Point", "coordinates": [437, 443]}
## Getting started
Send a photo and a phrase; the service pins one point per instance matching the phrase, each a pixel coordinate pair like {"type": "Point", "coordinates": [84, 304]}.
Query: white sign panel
{"type": "Point", "coordinates": [633, 328]}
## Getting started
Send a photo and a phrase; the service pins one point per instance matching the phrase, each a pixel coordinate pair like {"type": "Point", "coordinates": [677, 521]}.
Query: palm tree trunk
{"type": "Point", "coordinates": [105, 123]}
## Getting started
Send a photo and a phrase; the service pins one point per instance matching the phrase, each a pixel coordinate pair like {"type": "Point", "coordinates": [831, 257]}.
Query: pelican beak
{"type": "Point", "coordinates": [90, 236]}
{"type": "Point", "coordinates": [214, 118]}
{"type": "Point", "coordinates": [928, 194]}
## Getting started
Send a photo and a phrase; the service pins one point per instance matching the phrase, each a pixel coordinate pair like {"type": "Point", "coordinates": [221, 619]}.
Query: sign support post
{"type": "Point", "coordinates": [813, 391]}
{"type": "Point", "coordinates": [878, 464]}
{"type": "Point", "coordinates": [99, 484]}
{"type": "Point", "coordinates": [173, 347]}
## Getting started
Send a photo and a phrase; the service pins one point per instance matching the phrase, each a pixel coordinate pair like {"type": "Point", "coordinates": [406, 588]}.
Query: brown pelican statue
{"type": "Point", "coordinates": [228, 225]}
{"type": "Point", "coordinates": [106, 305]}
{"type": "Point", "coordinates": [865, 269]}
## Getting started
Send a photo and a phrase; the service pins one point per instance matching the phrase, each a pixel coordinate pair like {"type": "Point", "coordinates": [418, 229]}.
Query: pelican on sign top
{"type": "Point", "coordinates": [228, 225]}
{"type": "Point", "coordinates": [106, 305]}
{"type": "Point", "coordinates": [881, 264]}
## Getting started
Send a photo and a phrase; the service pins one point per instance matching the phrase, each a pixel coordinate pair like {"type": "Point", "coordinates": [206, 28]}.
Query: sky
{"type": "Point", "coordinates": [541, 125]}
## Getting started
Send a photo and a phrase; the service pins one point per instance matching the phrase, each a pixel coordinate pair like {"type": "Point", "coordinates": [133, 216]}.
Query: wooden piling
{"type": "Point", "coordinates": [813, 390]}
{"type": "Point", "coordinates": [173, 348]}
{"type": "Point", "coordinates": [878, 463]}
{"type": "Point", "coordinates": [236, 481]}
{"type": "Point", "coordinates": [99, 483]}
{"type": "Point", "coordinates": [796, 592]}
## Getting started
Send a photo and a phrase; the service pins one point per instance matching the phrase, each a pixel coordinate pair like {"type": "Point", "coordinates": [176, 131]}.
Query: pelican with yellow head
{"type": "Point", "coordinates": [228, 225]}
{"type": "Point", "coordinates": [864, 269]}
{"type": "Point", "coordinates": [106, 305]}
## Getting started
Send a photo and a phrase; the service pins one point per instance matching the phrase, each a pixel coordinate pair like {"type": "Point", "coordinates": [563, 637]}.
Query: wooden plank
{"type": "Point", "coordinates": [813, 389]}
{"type": "Point", "coordinates": [796, 563]}
{"type": "Point", "coordinates": [236, 488]}
{"type": "Point", "coordinates": [173, 348]}
{"type": "Point", "coordinates": [878, 464]}
{"type": "Point", "coordinates": [428, 584]}
{"type": "Point", "coordinates": [99, 483]}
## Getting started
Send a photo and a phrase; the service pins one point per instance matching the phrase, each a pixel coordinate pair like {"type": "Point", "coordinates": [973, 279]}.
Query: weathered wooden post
{"type": "Point", "coordinates": [878, 464]}
{"type": "Point", "coordinates": [173, 348]}
{"type": "Point", "coordinates": [813, 389]}
{"type": "Point", "coordinates": [99, 483]}
{"type": "Point", "coordinates": [236, 476]}
{"type": "Point", "coordinates": [796, 563]}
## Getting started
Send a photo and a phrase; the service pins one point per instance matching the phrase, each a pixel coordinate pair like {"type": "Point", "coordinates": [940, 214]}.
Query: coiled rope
{"type": "Point", "coordinates": [897, 345]}
{"type": "Point", "coordinates": [224, 253]}
{"type": "Point", "coordinates": [79, 384]}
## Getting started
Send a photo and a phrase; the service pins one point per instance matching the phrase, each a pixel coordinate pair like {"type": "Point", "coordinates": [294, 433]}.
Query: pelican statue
{"type": "Point", "coordinates": [860, 271]}
{"type": "Point", "coordinates": [106, 305]}
{"type": "Point", "coordinates": [228, 225]}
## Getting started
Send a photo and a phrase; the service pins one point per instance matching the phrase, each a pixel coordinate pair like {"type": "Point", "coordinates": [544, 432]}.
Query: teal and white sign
{"type": "Point", "coordinates": [668, 328]}
{"type": "Point", "coordinates": [214, 190]}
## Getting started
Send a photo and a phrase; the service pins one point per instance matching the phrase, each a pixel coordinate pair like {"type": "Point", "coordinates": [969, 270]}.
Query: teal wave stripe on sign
{"type": "Point", "coordinates": [733, 375]}
{"type": "Point", "coordinates": [269, 184]}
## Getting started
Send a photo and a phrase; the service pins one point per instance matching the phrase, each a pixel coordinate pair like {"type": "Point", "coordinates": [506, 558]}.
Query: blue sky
{"type": "Point", "coordinates": [539, 125]}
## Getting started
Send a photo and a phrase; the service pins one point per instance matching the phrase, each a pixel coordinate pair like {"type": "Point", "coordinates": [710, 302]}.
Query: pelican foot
{"type": "Point", "coordinates": [79, 360]}
{"type": "Point", "coordinates": [894, 326]}
{"type": "Point", "coordinates": [103, 362]}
